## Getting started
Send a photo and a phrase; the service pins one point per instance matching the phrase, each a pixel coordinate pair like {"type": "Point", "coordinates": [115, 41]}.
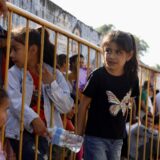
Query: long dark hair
{"type": "Point", "coordinates": [61, 60]}
{"type": "Point", "coordinates": [73, 60]}
{"type": "Point", "coordinates": [35, 38]}
{"type": "Point", "coordinates": [3, 95]}
{"type": "Point", "coordinates": [126, 42]}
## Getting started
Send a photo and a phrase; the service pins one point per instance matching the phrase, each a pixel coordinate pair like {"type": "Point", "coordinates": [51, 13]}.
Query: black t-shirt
{"type": "Point", "coordinates": [107, 90]}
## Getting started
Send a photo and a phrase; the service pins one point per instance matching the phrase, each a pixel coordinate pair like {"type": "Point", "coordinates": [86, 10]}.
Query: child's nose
{"type": "Point", "coordinates": [112, 55]}
{"type": "Point", "coordinates": [12, 53]}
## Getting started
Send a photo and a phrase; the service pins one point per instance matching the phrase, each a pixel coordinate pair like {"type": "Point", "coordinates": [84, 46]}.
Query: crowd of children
{"type": "Point", "coordinates": [105, 97]}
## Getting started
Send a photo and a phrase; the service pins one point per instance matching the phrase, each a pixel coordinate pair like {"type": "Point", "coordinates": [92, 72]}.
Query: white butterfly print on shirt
{"type": "Point", "coordinates": [117, 105]}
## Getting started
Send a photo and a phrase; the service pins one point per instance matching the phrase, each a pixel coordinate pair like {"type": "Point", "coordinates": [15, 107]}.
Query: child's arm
{"type": "Point", "coordinates": [3, 8]}
{"type": "Point", "coordinates": [15, 95]}
{"type": "Point", "coordinates": [39, 127]}
{"type": "Point", "coordinates": [83, 107]}
{"type": "Point", "coordinates": [134, 118]}
{"type": "Point", "coordinates": [32, 122]}
{"type": "Point", "coordinates": [58, 91]}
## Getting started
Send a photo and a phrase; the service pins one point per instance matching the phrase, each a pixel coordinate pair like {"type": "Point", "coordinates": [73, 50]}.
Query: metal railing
{"type": "Point", "coordinates": [145, 73]}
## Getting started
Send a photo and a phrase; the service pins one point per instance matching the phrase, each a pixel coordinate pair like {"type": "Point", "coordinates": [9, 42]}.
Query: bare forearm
{"type": "Point", "coordinates": [82, 114]}
{"type": "Point", "coordinates": [81, 120]}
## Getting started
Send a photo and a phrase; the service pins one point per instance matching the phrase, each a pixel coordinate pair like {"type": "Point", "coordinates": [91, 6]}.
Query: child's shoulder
{"type": "Point", "coordinates": [15, 71]}
{"type": "Point", "coordinates": [96, 74]}
{"type": "Point", "coordinates": [14, 67]}
{"type": "Point", "coordinates": [97, 71]}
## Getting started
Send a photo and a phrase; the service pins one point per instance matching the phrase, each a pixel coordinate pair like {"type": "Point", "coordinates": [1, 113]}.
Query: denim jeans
{"type": "Point", "coordinates": [148, 150]}
{"type": "Point", "coordinates": [28, 149]}
{"type": "Point", "coordinates": [96, 148]}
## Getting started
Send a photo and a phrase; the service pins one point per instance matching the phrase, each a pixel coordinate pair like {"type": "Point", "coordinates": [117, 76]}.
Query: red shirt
{"type": "Point", "coordinates": [69, 125]}
{"type": "Point", "coordinates": [34, 100]}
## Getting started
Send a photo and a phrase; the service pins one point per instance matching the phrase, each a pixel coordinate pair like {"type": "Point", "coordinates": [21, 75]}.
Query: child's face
{"type": "Point", "coordinates": [64, 67]}
{"type": "Point", "coordinates": [116, 58]}
{"type": "Point", "coordinates": [3, 111]}
{"type": "Point", "coordinates": [81, 63]}
{"type": "Point", "coordinates": [18, 53]}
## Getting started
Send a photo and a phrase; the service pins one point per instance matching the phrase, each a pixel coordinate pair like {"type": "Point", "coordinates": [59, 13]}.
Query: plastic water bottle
{"type": "Point", "coordinates": [64, 138]}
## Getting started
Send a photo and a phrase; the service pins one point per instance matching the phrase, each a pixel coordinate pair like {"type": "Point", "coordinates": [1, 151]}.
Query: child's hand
{"type": "Point", "coordinates": [47, 77]}
{"type": "Point", "coordinates": [3, 8]}
{"type": "Point", "coordinates": [71, 113]}
{"type": "Point", "coordinates": [39, 127]}
{"type": "Point", "coordinates": [149, 119]}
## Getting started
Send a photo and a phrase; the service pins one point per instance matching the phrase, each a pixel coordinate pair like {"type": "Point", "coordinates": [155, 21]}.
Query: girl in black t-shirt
{"type": "Point", "coordinates": [108, 92]}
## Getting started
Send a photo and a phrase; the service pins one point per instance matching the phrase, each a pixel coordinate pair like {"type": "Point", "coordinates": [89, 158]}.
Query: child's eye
{"type": "Point", "coordinates": [13, 48]}
{"type": "Point", "coordinates": [118, 51]}
{"type": "Point", "coordinates": [108, 50]}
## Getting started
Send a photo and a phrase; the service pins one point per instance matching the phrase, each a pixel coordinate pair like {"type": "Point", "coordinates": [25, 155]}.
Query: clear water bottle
{"type": "Point", "coordinates": [64, 138]}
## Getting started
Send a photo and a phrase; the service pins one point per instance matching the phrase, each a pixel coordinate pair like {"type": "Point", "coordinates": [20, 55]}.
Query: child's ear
{"type": "Point", "coordinates": [33, 49]}
{"type": "Point", "coordinates": [129, 56]}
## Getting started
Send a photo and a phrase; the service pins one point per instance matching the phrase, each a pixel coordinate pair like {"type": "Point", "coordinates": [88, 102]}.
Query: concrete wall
{"type": "Point", "coordinates": [49, 11]}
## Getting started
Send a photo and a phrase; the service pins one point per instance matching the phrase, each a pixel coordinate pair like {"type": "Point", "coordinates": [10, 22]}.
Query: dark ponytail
{"type": "Point", "coordinates": [131, 67]}
{"type": "Point", "coordinates": [48, 55]}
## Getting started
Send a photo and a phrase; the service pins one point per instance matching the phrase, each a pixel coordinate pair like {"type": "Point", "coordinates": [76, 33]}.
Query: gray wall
{"type": "Point", "coordinates": [56, 15]}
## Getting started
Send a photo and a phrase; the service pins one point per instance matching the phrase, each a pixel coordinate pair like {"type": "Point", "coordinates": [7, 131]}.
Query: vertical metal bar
{"type": "Point", "coordinates": [23, 91]}
{"type": "Point", "coordinates": [129, 133]}
{"type": "Point", "coordinates": [7, 63]}
{"type": "Point", "coordinates": [158, 140]}
{"type": "Point", "coordinates": [77, 86]}
{"type": "Point", "coordinates": [88, 62]}
{"type": "Point", "coordinates": [52, 106]}
{"type": "Point", "coordinates": [39, 89]}
{"type": "Point", "coordinates": [8, 49]}
{"type": "Point", "coordinates": [77, 90]}
{"type": "Point", "coordinates": [55, 55]}
{"type": "Point", "coordinates": [154, 108]}
{"type": "Point", "coordinates": [67, 57]}
{"type": "Point", "coordinates": [64, 115]}
{"type": "Point", "coordinates": [146, 118]}
{"type": "Point", "coordinates": [97, 59]}
{"type": "Point", "coordinates": [88, 72]}
{"type": "Point", "coordinates": [66, 76]}
{"type": "Point", "coordinates": [139, 113]}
